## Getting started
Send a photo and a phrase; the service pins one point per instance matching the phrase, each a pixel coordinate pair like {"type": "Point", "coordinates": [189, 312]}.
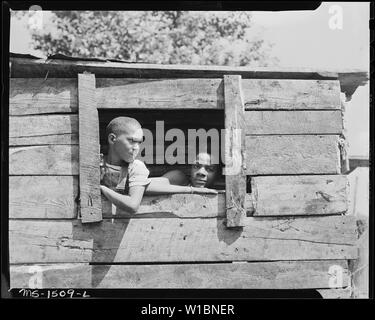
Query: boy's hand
{"type": "Point", "coordinates": [204, 190]}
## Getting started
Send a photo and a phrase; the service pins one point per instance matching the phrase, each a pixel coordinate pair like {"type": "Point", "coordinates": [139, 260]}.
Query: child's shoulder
{"type": "Point", "coordinates": [137, 165]}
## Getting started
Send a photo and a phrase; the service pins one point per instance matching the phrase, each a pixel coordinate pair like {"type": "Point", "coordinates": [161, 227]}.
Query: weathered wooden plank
{"type": "Point", "coordinates": [235, 152]}
{"type": "Point", "coordinates": [173, 206]}
{"type": "Point", "coordinates": [53, 197]}
{"type": "Point", "coordinates": [209, 94]}
{"type": "Point", "coordinates": [42, 130]}
{"type": "Point", "coordinates": [293, 122]}
{"type": "Point", "coordinates": [23, 67]}
{"type": "Point", "coordinates": [89, 151]}
{"type": "Point", "coordinates": [299, 195]}
{"type": "Point", "coordinates": [43, 197]}
{"type": "Point", "coordinates": [335, 293]}
{"type": "Point", "coordinates": [179, 240]}
{"type": "Point", "coordinates": [255, 275]}
{"type": "Point", "coordinates": [39, 95]}
{"type": "Point", "coordinates": [44, 160]}
{"type": "Point", "coordinates": [299, 154]}
{"type": "Point", "coordinates": [291, 94]}
{"type": "Point", "coordinates": [160, 93]}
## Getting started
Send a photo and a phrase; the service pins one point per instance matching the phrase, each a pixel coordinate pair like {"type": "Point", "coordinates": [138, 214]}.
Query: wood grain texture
{"type": "Point", "coordinates": [235, 152]}
{"type": "Point", "coordinates": [54, 197]}
{"type": "Point", "coordinates": [291, 94]}
{"type": "Point", "coordinates": [38, 95]}
{"type": "Point", "coordinates": [173, 206]}
{"type": "Point", "coordinates": [255, 275]}
{"type": "Point", "coordinates": [44, 160]}
{"type": "Point", "coordinates": [299, 195]}
{"type": "Point", "coordinates": [89, 151]}
{"type": "Point", "coordinates": [160, 93]}
{"type": "Point", "coordinates": [43, 130]}
{"type": "Point", "coordinates": [179, 240]}
{"type": "Point", "coordinates": [43, 197]}
{"type": "Point", "coordinates": [300, 154]}
{"type": "Point", "coordinates": [293, 122]}
{"type": "Point", "coordinates": [209, 94]}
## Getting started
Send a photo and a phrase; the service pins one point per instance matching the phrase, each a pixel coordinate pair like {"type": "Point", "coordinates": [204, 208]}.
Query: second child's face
{"type": "Point", "coordinates": [203, 172]}
{"type": "Point", "coordinates": [126, 145]}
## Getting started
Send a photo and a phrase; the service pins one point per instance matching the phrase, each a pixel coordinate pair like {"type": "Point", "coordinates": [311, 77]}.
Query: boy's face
{"type": "Point", "coordinates": [203, 172]}
{"type": "Point", "coordinates": [126, 145]}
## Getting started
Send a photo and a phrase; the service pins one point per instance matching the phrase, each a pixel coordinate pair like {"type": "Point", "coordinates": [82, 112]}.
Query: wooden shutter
{"type": "Point", "coordinates": [235, 151]}
{"type": "Point", "coordinates": [89, 150]}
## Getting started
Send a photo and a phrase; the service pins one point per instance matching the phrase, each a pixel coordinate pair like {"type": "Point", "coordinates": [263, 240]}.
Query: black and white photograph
{"type": "Point", "coordinates": [189, 149]}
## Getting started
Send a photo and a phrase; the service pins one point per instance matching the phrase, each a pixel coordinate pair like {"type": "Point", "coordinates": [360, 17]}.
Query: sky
{"type": "Point", "coordinates": [300, 39]}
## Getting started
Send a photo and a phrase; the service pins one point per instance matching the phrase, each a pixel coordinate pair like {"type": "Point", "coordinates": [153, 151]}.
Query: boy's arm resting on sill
{"type": "Point", "coordinates": [162, 186]}
{"type": "Point", "coordinates": [129, 203]}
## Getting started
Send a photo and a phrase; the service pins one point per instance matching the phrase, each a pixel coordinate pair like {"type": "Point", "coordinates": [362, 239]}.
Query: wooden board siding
{"type": "Point", "coordinates": [293, 122]}
{"type": "Point", "coordinates": [55, 95]}
{"type": "Point", "coordinates": [44, 160]}
{"type": "Point", "coordinates": [63, 129]}
{"type": "Point", "coordinates": [235, 152]}
{"type": "Point", "coordinates": [255, 275]}
{"type": "Point", "coordinates": [43, 197]}
{"type": "Point", "coordinates": [179, 240]}
{"type": "Point", "coordinates": [89, 151]}
{"type": "Point", "coordinates": [267, 155]}
{"type": "Point", "coordinates": [300, 154]}
{"type": "Point", "coordinates": [54, 197]}
{"type": "Point", "coordinates": [160, 94]}
{"type": "Point", "coordinates": [209, 94]}
{"type": "Point", "coordinates": [172, 206]}
{"type": "Point", "coordinates": [43, 130]}
{"type": "Point", "coordinates": [39, 96]}
{"type": "Point", "coordinates": [291, 94]}
{"type": "Point", "coordinates": [299, 195]}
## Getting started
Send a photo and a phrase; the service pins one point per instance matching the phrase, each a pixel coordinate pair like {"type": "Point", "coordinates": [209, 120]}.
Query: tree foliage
{"type": "Point", "coordinates": [167, 37]}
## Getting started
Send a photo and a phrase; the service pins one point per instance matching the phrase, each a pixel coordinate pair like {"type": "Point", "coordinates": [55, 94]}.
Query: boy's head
{"type": "Point", "coordinates": [124, 136]}
{"type": "Point", "coordinates": [204, 171]}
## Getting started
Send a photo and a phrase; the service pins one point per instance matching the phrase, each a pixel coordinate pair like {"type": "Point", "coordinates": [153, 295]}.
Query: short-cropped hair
{"type": "Point", "coordinates": [121, 125]}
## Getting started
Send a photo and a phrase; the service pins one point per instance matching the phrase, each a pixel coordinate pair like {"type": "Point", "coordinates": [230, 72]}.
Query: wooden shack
{"type": "Point", "coordinates": [279, 223]}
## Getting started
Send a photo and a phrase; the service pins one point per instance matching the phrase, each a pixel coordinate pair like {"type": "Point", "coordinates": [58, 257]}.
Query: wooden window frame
{"type": "Point", "coordinates": [89, 150]}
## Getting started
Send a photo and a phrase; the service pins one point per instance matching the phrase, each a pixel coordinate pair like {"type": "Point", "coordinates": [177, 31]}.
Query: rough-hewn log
{"type": "Point", "coordinates": [43, 130]}
{"type": "Point", "coordinates": [179, 240]}
{"type": "Point", "coordinates": [299, 195]}
{"type": "Point", "coordinates": [255, 275]}
{"type": "Point", "coordinates": [300, 154]}
{"type": "Point", "coordinates": [44, 160]}
{"type": "Point", "coordinates": [38, 95]}
{"type": "Point", "coordinates": [293, 122]}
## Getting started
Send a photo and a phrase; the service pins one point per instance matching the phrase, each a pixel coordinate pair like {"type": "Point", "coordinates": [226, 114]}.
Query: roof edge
{"type": "Point", "coordinates": [60, 66]}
